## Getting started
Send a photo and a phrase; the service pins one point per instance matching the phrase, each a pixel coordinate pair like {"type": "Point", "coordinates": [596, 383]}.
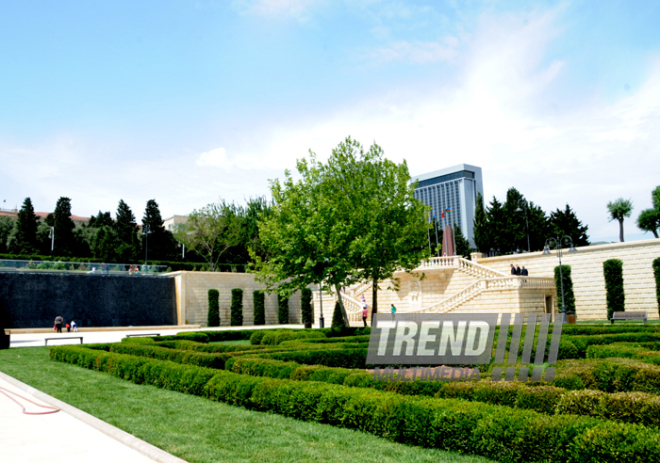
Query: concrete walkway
{"type": "Point", "coordinates": [91, 337]}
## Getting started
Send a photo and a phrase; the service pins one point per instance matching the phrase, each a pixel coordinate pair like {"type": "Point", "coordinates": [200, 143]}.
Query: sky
{"type": "Point", "coordinates": [188, 101]}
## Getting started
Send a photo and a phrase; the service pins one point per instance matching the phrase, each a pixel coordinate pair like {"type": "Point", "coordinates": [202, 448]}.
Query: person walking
{"type": "Point", "coordinates": [74, 327]}
{"type": "Point", "coordinates": [58, 323]}
{"type": "Point", "coordinates": [524, 271]}
{"type": "Point", "coordinates": [365, 313]}
{"type": "Point", "coordinates": [393, 309]}
{"type": "Point", "coordinates": [518, 271]}
{"type": "Point", "coordinates": [513, 269]}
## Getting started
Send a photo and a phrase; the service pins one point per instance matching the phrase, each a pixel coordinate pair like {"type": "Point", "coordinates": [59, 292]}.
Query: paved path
{"type": "Point", "coordinates": [91, 337]}
{"type": "Point", "coordinates": [68, 436]}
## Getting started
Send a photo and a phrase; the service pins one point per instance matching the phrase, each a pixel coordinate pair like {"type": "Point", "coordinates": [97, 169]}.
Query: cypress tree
{"type": "Point", "coordinates": [616, 299]}
{"type": "Point", "coordinates": [161, 243]}
{"type": "Point", "coordinates": [25, 239]}
{"type": "Point", "coordinates": [236, 307]}
{"type": "Point", "coordinates": [282, 310]}
{"type": "Point", "coordinates": [337, 318]}
{"type": "Point", "coordinates": [259, 299]}
{"type": "Point", "coordinates": [126, 228]}
{"type": "Point", "coordinates": [65, 243]}
{"type": "Point", "coordinates": [569, 297]}
{"type": "Point", "coordinates": [656, 273]}
{"type": "Point", "coordinates": [214, 307]}
{"type": "Point", "coordinates": [481, 228]}
{"type": "Point", "coordinates": [307, 313]}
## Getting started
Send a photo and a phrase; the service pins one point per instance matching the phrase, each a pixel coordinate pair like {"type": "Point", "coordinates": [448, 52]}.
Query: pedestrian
{"type": "Point", "coordinates": [524, 271]}
{"type": "Point", "coordinates": [513, 269]}
{"type": "Point", "coordinates": [518, 271]}
{"type": "Point", "coordinates": [365, 313]}
{"type": "Point", "coordinates": [58, 323]}
{"type": "Point", "coordinates": [130, 270]}
{"type": "Point", "coordinates": [393, 309]}
{"type": "Point", "coordinates": [74, 326]}
{"type": "Point", "coordinates": [68, 328]}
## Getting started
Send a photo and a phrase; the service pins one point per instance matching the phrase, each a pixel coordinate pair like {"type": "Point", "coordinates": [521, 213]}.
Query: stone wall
{"type": "Point", "coordinates": [192, 298]}
{"type": "Point", "coordinates": [587, 273]}
{"type": "Point", "coordinates": [33, 300]}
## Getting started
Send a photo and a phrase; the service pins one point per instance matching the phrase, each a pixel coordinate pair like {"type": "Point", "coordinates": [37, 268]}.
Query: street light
{"type": "Point", "coordinates": [51, 235]}
{"type": "Point", "coordinates": [519, 209]}
{"type": "Point", "coordinates": [146, 231]}
{"type": "Point", "coordinates": [557, 243]}
{"type": "Point", "coordinates": [321, 319]}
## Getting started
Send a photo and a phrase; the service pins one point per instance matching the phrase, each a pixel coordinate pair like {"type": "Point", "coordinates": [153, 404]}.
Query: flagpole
{"type": "Point", "coordinates": [428, 216]}
{"type": "Point", "coordinates": [437, 243]}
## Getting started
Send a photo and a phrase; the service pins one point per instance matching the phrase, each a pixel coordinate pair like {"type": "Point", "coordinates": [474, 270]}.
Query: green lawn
{"type": "Point", "coordinates": [198, 430]}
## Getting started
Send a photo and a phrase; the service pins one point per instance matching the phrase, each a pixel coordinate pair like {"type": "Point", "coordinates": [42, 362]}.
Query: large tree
{"type": "Point", "coordinates": [161, 245]}
{"type": "Point", "coordinates": [24, 240]}
{"type": "Point", "coordinates": [65, 242]}
{"type": "Point", "coordinates": [128, 245]}
{"type": "Point", "coordinates": [649, 219]}
{"type": "Point", "coordinates": [497, 224]}
{"type": "Point", "coordinates": [6, 227]}
{"type": "Point", "coordinates": [353, 218]}
{"type": "Point", "coordinates": [211, 231]}
{"type": "Point", "coordinates": [619, 210]}
{"type": "Point", "coordinates": [566, 223]}
{"type": "Point", "coordinates": [481, 229]}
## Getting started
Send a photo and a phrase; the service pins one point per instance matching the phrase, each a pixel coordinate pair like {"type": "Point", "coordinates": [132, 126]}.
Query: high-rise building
{"type": "Point", "coordinates": [452, 191]}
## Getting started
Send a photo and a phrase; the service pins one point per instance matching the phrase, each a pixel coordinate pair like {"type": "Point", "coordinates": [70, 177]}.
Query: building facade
{"type": "Point", "coordinates": [452, 191]}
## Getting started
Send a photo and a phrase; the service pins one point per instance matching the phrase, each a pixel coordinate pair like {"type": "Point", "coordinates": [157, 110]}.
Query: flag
{"type": "Point", "coordinates": [443, 214]}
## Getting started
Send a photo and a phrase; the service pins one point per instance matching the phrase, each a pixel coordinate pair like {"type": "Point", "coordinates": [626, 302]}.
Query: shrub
{"type": "Point", "coordinates": [613, 271]}
{"type": "Point", "coordinates": [282, 310]}
{"type": "Point", "coordinates": [259, 307]}
{"type": "Point", "coordinates": [656, 273]}
{"type": "Point", "coordinates": [257, 336]}
{"type": "Point", "coordinates": [337, 318]}
{"type": "Point", "coordinates": [569, 298]}
{"type": "Point", "coordinates": [227, 335]}
{"type": "Point", "coordinates": [609, 375]}
{"type": "Point", "coordinates": [345, 358]}
{"type": "Point", "coordinates": [189, 336]}
{"type": "Point", "coordinates": [236, 307]}
{"type": "Point", "coordinates": [214, 308]}
{"type": "Point", "coordinates": [307, 313]}
{"type": "Point", "coordinates": [216, 361]}
{"type": "Point", "coordinates": [505, 434]}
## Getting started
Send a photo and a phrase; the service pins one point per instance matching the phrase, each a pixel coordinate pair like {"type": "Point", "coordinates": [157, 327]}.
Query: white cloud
{"type": "Point", "coordinates": [417, 52]}
{"type": "Point", "coordinates": [215, 158]}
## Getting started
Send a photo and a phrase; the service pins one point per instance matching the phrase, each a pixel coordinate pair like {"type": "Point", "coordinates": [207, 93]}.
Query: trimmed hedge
{"type": "Point", "coordinates": [344, 358]}
{"type": "Point", "coordinates": [259, 299]}
{"type": "Point", "coordinates": [214, 308]}
{"type": "Point", "coordinates": [202, 359]}
{"type": "Point", "coordinates": [282, 310]}
{"type": "Point", "coordinates": [306, 311]}
{"type": "Point", "coordinates": [502, 433]}
{"type": "Point", "coordinates": [228, 335]}
{"type": "Point", "coordinates": [195, 336]}
{"type": "Point", "coordinates": [613, 272]}
{"type": "Point", "coordinates": [236, 307]}
{"type": "Point", "coordinates": [656, 273]}
{"type": "Point", "coordinates": [584, 330]}
{"type": "Point", "coordinates": [609, 375]}
{"type": "Point", "coordinates": [277, 336]}
{"type": "Point", "coordinates": [582, 343]}
{"type": "Point", "coordinates": [569, 297]}
{"type": "Point", "coordinates": [209, 348]}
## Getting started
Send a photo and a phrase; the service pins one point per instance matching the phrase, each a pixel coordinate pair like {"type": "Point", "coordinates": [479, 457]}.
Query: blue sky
{"type": "Point", "coordinates": [189, 101]}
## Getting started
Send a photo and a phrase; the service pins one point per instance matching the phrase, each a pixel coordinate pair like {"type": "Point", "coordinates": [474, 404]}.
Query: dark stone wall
{"type": "Point", "coordinates": [33, 300]}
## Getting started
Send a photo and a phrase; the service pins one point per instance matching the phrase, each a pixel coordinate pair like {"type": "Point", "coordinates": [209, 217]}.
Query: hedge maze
{"type": "Point", "coordinates": [603, 405]}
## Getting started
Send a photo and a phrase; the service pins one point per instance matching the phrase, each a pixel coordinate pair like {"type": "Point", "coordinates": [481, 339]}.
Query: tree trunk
{"type": "Point", "coordinates": [341, 306]}
{"type": "Point", "coordinates": [655, 233]}
{"type": "Point", "coordinates": [621, 230]}
{"type": "Point", "coordinates": [374, 297]}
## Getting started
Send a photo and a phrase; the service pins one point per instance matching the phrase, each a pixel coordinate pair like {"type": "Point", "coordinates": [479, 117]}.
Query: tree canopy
{"type": "Point", "coordinates": [649, 219]}
{"type": "Point", "coordinates": [350, 219]}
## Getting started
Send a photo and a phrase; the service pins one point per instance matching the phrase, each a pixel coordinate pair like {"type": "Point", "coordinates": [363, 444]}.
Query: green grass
{"type": "Point", "coordinates": [199, 430]}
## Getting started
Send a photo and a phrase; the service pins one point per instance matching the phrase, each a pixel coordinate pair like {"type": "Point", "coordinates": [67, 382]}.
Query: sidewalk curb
{"type": "Point", "coordinates": [123, 437]}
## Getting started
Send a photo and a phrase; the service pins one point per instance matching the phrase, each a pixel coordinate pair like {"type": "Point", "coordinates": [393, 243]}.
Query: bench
{"type": "Point", "coordinates": [134, 335]}
{"type": "Point", "coordinates": [67, 337]}
{"type": "Point", "coordinates": [629, 316]}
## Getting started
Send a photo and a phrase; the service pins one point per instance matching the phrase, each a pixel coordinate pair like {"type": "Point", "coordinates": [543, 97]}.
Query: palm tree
{"type": "Point", "coordinates": [620, 209]}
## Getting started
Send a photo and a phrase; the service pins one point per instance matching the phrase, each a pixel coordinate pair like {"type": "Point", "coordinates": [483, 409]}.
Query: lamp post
{"type": "Point", "coordinates": [557, 243]}
{"type": "Point", "coordinates": [321, 320]}
{"type": "Point", "coordinates": [146, 231]}
{"type": "Point", "coordinates": [519, 209]}
{"type": "Point", "coordinates": [51, 235]}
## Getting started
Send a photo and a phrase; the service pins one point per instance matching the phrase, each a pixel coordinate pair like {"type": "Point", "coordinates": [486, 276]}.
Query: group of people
{"type": "Point", "coordinates": [516, 270]}
{"type": "Point", "coordinates": [133, 270]}
{"type": "Point", "coordinates": [59, 321]}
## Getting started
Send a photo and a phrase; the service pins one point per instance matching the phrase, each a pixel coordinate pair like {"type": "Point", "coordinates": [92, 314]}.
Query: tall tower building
{"type": "Point", "coordinates": [454, 188]}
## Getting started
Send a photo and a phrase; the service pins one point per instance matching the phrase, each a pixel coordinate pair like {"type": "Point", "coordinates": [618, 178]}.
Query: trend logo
{"type": "Point", "coordinates": [416, 340]}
